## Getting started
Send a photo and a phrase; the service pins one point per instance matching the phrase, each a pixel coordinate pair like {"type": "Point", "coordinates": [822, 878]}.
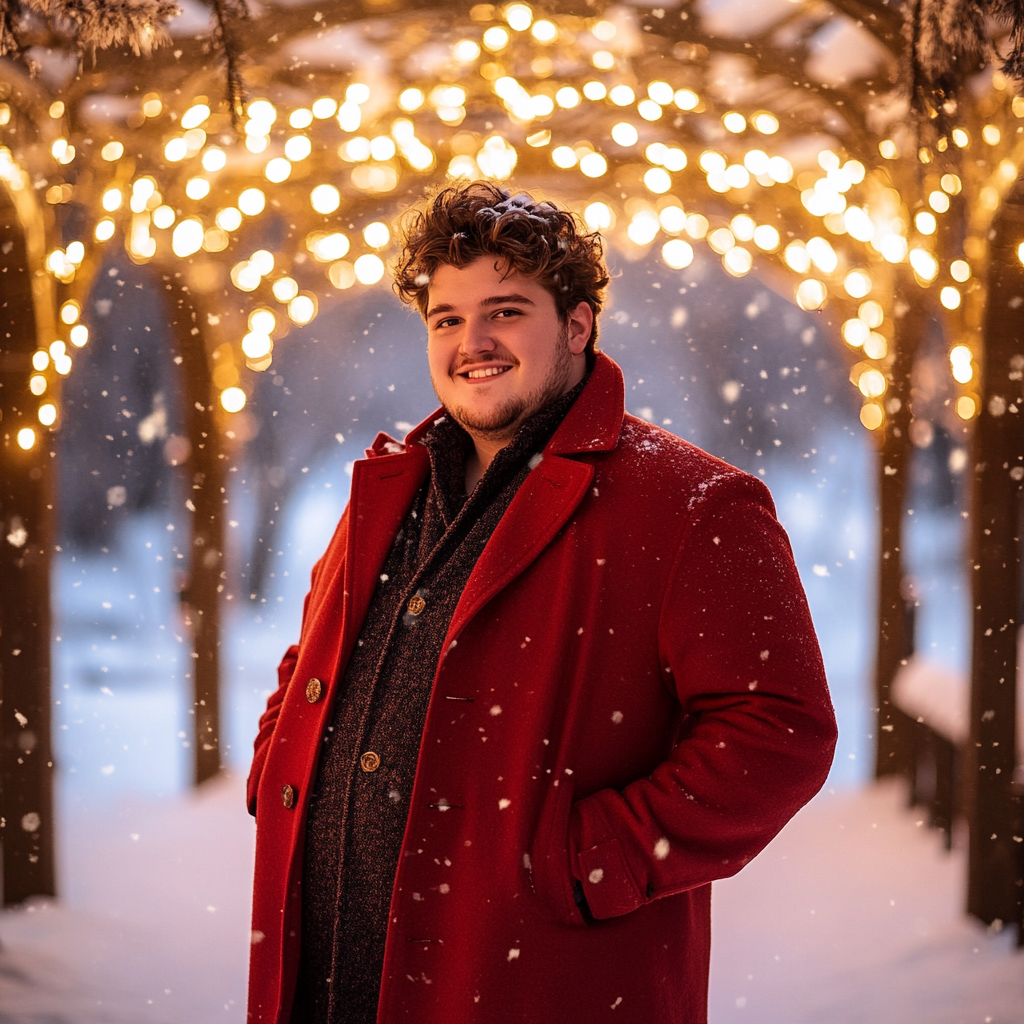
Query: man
{"type": "Point", "coordinates": [556, 674]}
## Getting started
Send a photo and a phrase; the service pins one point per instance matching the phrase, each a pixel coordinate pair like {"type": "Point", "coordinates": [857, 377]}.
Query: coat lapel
{"type": "Point", "coordinates": [541, 507]}
{"type": "Point", "coordinates": [551, 493]}
{"type": "Point", "coordinates": [382, 490]}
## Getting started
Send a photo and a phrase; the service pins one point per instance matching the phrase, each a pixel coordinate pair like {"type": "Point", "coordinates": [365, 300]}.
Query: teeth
{"type": "Point", "coordinates": [489, 372]}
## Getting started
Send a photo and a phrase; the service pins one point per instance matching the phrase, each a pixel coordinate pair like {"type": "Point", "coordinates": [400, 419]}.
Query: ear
{"type": "Point", "coordinates": [580, 325]}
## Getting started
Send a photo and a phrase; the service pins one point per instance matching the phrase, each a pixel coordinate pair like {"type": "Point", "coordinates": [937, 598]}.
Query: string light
{"type": "Point", "coordinates": [950, 297]}
{"type": "Point", "coordinates": [285, 289]}
{"type": "Point", "coordinates": [325, 199]}
{"type": "Point", "coordinates": [252, 202]}
{"type": "Point", "coordinates": [187, 238]}
{"type": "Point", "coordinates": [195, 115]}
{"type": "Point", "coordinates": [302, 309]}
{"type": "Point", "coordinates": [232, 399]}
{"type": "Point", "coordinates": [214, 159]}
{"type": "Point", "coordinates": [960, 359]}
{"type": "Point", "coordinates": [677, 253]}
{"type": "Point", "coordinates": [848, 230]}
{"type": "Point", "coordinates": [960, 270]}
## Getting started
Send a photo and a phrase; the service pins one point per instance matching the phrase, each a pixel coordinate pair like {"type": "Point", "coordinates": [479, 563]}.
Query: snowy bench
{"type": "Point", "coordinates": [939, 700]}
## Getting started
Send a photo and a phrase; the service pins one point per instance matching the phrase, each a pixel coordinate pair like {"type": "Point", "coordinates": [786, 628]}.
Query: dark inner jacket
{"type": "Point", "coordinates": [360, 802]}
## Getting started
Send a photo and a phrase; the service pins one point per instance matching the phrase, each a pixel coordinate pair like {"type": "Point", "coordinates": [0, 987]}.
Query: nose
{"type": "Point", "coordinates": [477, 338]}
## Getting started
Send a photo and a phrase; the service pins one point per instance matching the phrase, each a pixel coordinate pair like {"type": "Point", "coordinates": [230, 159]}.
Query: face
{"type": "Point", "coordinates": [497, 349]}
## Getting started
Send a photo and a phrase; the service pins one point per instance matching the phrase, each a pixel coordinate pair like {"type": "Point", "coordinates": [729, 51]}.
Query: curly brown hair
{"type": "Point", "coordinates": [459, 223]}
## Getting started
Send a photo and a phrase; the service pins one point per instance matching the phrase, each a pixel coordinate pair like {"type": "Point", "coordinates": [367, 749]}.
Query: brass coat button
{"type": "Point", "coordinates": [314, 690]}
{"type": "Point", "coordinates": [416, 604]}
{"type": "Point", "coordinates": [370, 761]}
{"type": "Point", "coordinates": [288, 797]}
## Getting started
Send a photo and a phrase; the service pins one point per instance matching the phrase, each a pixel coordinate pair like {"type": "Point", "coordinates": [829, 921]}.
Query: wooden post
{"type": "Point", "coordinates": [993, 867]}
{"type": "Point", "coordinates": [894, 736]}
{"type": "Point", "coordinates": [204, 473]}
{"type": "Point", "coordinates": [26, 522]}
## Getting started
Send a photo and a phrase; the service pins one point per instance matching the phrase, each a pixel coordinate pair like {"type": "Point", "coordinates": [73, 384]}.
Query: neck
{"type": "Point", "coordinates": [482, 455]}
{"type": "Point", "coordinates": [486, 444]}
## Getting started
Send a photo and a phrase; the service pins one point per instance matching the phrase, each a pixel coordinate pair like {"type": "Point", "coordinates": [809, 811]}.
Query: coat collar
{"type": "Point", "coordinates": [541, 507]}
{"type": "Point", "coordinates": [593, 424]}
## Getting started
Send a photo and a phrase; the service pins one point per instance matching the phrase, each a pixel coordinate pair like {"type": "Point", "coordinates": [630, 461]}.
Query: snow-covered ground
{"type": "Point", "coordinates": [852, 916]}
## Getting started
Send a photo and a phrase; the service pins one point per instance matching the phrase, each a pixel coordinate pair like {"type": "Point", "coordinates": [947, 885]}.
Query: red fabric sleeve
{"type": "Point", "coordinates": [738, 649]}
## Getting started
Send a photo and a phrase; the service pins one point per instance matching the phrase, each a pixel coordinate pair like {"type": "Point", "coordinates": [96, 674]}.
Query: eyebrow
{"type": "Point", "coordinates": [493, 300]}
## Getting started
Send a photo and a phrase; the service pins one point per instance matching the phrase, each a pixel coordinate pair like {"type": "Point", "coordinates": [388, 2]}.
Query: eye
{"type": "Point", "coordinates": [448, 321]}
{"type": "Point", "coordinates": [508, 313]}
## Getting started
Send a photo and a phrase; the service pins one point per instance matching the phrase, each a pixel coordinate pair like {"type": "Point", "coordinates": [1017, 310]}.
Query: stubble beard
{"type": "Point", "coordinates": [501, 423]}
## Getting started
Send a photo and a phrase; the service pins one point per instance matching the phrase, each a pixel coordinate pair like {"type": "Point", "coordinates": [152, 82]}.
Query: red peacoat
{"type": "Point", "coordinates": [631, 694]}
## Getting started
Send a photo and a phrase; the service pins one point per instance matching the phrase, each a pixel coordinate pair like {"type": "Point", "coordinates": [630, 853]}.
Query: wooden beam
{"type": "Point", "coordinates": [993, 873]}
{"type": "Point", "coordinates": [204, 475]}
{"type": "Point", "coordinates": [26, 524]}
{"type": "Point", "coordinates": [894, 736]}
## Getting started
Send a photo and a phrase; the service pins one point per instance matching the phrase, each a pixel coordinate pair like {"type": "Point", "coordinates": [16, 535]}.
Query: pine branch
{"type": "Point", "coordinates": [10, 13]}
{"type": "Point", "coordinates": [947, 42]}
{"type": "Point", "coordinates": [228, 13]}
{"type": "Point", "coordinates": [1012, 11]}
{"type": "Point", "coordinates": [99, 24]}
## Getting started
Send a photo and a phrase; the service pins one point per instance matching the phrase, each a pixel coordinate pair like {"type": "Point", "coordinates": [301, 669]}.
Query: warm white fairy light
{"type": "Point", "coordinates": [593, 165]}
{"type": "Point", "coordinates": [285, 289]}
{"type": "Point", "coordinates": [643, 228]}
{"type": "Point", "coordinates": [766, 237]}
{"type": "Point", "coordinates": [960, 271]}
{"type": "Point", "coordinates": [624, 134]}
{"type": "Point", "coordinates": [924, 263]}
{"type": "Point", "coordinates": [811, 294]}
{"type": "Point", "coordinates": [325, 199]}
{"type": "Point", "coordinates": [496, 38]}
{"type": "Point", "coordinates": [960, 358]}
{"type": "Point", "coordinates": [855, 332]}
{"type": "Point", "coordinates": [677, 253]}
{"type": "Point", "coordinates": [176, 150]}
{"type": "Point", "coordinates": [195, 115]}
{"type": "Point", "coordinates": [232, 399]}
{"type": "Point", "coordinates": [302, 309]}
{"type": "Point", "coordinates": [327, 246]}
{"type": "Point", "coordinates": [872, 383]}
{"type": "Point", "coordinates": [214, 159]}
{"type": "Point", "coordinates": [277, 170]}
{"type": "Point", "coordinates": [672, 219]}
{"type": "Point", "coordinates": [187, 238]}
{"type": "Point", "coordinates": [598, 215]}
{"type": "Point", "coordinates": [848, 230]}
{"type": "Point", "coordinates": [252, 202]}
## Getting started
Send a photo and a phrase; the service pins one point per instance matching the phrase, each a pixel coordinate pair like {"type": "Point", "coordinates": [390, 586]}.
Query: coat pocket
{"type": "Point", "coordinates": [550, 858]}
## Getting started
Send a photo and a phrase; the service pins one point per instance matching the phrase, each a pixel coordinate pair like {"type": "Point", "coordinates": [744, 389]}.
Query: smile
{"type": "Point", "coordinates": [490, 371]}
